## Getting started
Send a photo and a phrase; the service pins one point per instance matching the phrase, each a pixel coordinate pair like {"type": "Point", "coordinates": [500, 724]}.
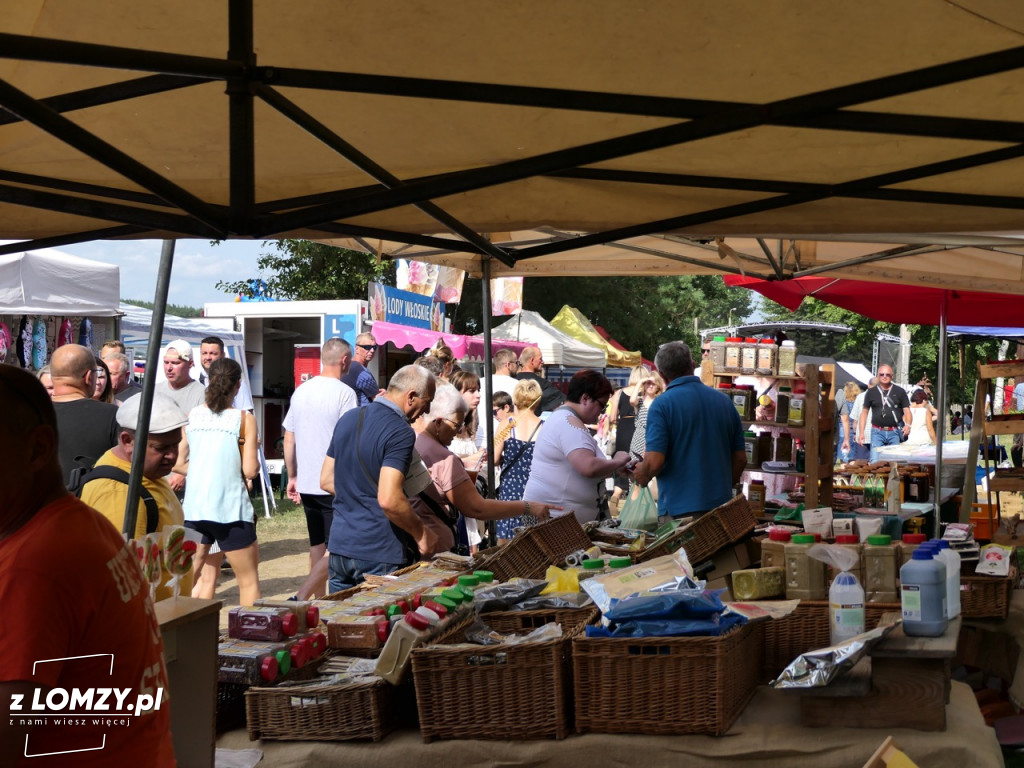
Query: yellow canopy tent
{"type": "Point", "coordinates": [573, 322]}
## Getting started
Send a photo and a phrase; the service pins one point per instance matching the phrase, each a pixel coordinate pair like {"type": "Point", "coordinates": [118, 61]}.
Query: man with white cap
{"type": "Point", "coordinates": [106, 487]}
{"type": "Point", "coordinates": [182, 389]}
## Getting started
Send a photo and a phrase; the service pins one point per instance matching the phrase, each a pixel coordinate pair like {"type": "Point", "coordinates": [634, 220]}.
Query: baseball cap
{"type": "Point", "coordinates": [181, 348]}
{"type": "Point", "coordinates": [165, 415]}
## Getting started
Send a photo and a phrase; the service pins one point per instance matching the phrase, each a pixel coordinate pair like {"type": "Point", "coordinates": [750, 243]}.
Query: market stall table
{"type": "Point", "coordinates": [953, 452]}
{"type": "Point", "coordinates": [768, 732]}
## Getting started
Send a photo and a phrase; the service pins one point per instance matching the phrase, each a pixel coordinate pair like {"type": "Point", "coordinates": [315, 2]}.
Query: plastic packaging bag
{"type": "Point", "coordinates": [640, 510]}
{"type": "Point", "coordinates": [660, 574]}
{"type": "Point", "coordinates": [500, 597]}
{"type": "Point", "coordinates": [560, 580]}
{"type": "Point", "coordinates": [481, 634]}
{"type": "Point", "coordinates": [716, 624]}
{"type": "Point", "coordinates": [556, 600]}
{"type": "Point", "coordinates": [683, 604]}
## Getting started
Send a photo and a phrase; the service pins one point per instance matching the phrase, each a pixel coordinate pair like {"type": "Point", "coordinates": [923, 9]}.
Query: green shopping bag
{"type": "Point", "coordinates": [640, 510]}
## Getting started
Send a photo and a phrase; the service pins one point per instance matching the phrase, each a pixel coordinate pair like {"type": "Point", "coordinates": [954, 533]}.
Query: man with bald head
{"type": "Point", "coordinates": [87, 427]}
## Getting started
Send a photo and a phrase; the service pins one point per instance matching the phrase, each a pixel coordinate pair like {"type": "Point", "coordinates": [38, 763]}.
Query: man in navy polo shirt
{"type": "Point", "coordinates": [375, 529]}
{"type": "Point", "coordinates": [694, 440]}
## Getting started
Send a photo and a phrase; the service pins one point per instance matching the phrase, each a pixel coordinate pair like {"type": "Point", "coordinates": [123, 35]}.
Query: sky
{"type": "Point", "coordinates": [197, 266]}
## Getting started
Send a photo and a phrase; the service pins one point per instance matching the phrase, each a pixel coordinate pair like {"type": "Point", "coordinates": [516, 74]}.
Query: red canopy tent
{"type": "Point", "coordinates": [891, 303]}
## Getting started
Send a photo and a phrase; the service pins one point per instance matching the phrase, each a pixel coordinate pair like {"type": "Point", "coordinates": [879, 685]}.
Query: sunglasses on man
{"type": "Point", "coordinates": [367, 346]}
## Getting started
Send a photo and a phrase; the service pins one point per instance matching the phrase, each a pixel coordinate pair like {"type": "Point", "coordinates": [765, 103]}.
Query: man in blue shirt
{"type": "Point", "coordinates": [694, 440]}
{"type": "Point", "coordinates": [375, 529]}
{"type": "Point", "coordinates": [358, 377]}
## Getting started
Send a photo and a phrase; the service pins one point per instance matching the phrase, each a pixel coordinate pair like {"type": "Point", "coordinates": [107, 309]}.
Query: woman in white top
{"type": "Point", "coordinates": [221, 450]}
{"type": "Point", "coordinates": [568, 468]}
{"type": "Point", "coordinates": [922, 431]}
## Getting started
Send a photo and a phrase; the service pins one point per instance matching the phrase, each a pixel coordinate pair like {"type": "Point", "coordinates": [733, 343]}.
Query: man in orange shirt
{"type": "Point", "coordinates": [82, 676]}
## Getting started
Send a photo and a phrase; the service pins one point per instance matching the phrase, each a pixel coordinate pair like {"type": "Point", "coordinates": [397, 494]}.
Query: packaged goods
{"type": "Point", "coordinates": [748, 357]}
{"type": "Point", "coordinates": [766, 354]}
{"type": "Point", "coordinates": [852, 543]}
{"type": "Point", "coordinates": [796, 405]}
{"type": "Point", "coordinates": [846, 595]}
{"type": "Point", "coordinates": [367, 632]}
{"type": "Point", "coordinates": [787, 358]}
{"type": "Point", "coordinates": [408, 633]}
{"type": "Point", "coordinates": [756, 495]}
{"type": "Point", "coordinates": [911, 541]}
{"type": "Point", "coordinates": [782, 411]}
{"type": "Point", "coordinates": [262, 623]}
{"type": "Point", "coordinates": [718, 354]}
{"type": "Point", "coordinates": [880, 569]}
{"type": "Point", "coordinates": [773, 549]}
{"type": "Point", "coordinates": [241, 663]}
{"type": "Point", "coordinates": [759, 583]}
{"type": "Point", "coordinates": [805, 576]}
{"type": "Point", "coordinates": [307, 614]}
{"type": "Point", "coordinates": [733, 358]}
{"type": "Point", "coordinates": [923, 595]}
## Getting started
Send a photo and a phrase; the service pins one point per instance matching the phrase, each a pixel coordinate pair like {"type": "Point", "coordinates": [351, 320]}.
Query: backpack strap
{"type": "Point", "coordinates": [108, 472]}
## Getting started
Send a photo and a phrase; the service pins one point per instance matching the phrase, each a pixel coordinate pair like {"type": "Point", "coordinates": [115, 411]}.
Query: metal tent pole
{"type": "Point", "coordinates": [156, 330]}
{"type": "Point", "coordinates": [941, 406]}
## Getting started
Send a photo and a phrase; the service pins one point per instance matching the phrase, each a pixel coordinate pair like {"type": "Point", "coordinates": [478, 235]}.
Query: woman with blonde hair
{"type": "Point", "coordinates": [850, 392]}
{"type": "Point", "coordinates": [444, 353]}
{"type": "Point", "coordinates": [646, 391]}
{"type": "Point", "coordinates": [622, 416]}
{"type": "Point", "coordinates": [515, 454]}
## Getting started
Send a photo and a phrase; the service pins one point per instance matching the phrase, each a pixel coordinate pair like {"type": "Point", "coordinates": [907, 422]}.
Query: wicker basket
{"type": "Point", "coordinates": [736, 517]}
{"type": "Point", "coordinates": [700, 539]}
{"type": "Point", "coordinates": [333, 713]}
{"type": "Point", "coordinates": [230, 706]}
{"type": "Point", "coordinates": [530, 553]}
{"type": "Point", "coordinates": [665, 685]}
{"type": "Point", "coordinates": [986, 597]}
{"type": "Point", "coordinates": [498, 691]}
{"type": "Point", "coordinates": [807, 629]}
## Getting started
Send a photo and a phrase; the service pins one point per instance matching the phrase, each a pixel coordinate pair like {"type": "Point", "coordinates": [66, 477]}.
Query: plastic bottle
{"type": "Point", "coordinates": [923, 595]}
{"type": "Point", "coordinates": [773, 549]}
{"type": "Point", "coordinates": [756, 495]}
{"type": "Point", "coordinates": [951, 559]}
{"type": "Point", "coordinates": [805, 576]}
{"type": "Point", "coordinates": [406, 634]}
{"type": "Point", "coordinates": [801, 457]}
{"type": "Point", "coordinates": [880, 572]}
{"type": "Point", "coordinates": [748, 357]}
{"type": "Point", "coordinates": [787, 359]}
{"type": "Point", "coordinates": [733, 359]}
{"type": "Point", "coordinates": [851, 542]}
{"type": "Point", "coordinates": [845, 607]}
{"type": "Point", "coordinates": [782, 405]}
{"type": "Point", "coordinates": [796, 405]}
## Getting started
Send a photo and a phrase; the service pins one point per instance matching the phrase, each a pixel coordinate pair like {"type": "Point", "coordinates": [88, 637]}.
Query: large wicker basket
{"type": "Point", "coordinates": [986, 597]}
{"type": "Point", "coordinates": [807, 629]}
{"type": "Point", "coordinates": [498, 691]}
{"type": "Point", "coordinates": [530, 553]}
{"type": "Point", "coordinates": [332, 713]}
{"type": "Point", "coordinates": [665, 685]}
{"type": "Point", "coordinates": [700, 540]}
{"type": "Point", "coordinates": [736, 517]}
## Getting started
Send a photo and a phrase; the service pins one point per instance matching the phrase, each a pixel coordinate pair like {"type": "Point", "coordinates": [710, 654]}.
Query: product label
{"type": "Point", "coordinates": [848, 615]}
{"type": "Point", "coordinates": [911, 601]}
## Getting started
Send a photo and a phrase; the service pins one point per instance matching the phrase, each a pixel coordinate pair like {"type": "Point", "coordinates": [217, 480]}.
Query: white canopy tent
{"type": "Point", "coordinates": [49, 282]}
{"type": "Point", "coordinates": [558, 348]}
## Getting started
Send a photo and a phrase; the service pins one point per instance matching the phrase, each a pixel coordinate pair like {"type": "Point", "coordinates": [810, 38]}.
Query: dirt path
{"type": "Point", "coordinates": [284, 561]}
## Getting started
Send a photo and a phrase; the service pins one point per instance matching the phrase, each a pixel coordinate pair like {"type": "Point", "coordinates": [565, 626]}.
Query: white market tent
{"type": "Point", "coordinates": [137, 321]}
{"type": "Point", "coordinates": [49, 282]}
{"type": "Point", "coordinates": [557, 347]}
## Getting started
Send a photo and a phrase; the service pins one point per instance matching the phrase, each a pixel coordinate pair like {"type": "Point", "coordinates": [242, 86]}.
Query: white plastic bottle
{"type": "Point", "coordinates": [951, 558]}
{"type": "Point", "coordinates": [846, 607]}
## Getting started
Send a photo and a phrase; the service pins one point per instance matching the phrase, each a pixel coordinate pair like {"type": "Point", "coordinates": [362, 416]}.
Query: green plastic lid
{"type": "Point", "coordinates": [455, 595]}
{"type": "Point", "coordinates": [719, 338]}
{"type": "Point", "coordinates": [484, 576]}
{"type": "Point", "coordinates": [469, 580]}
{"type": "Point", "coordinates": [467, 593]}
{"type": "Point", "coordinates": [802, 538]}
{"type": "Point", "coordinates": [785, 389]}
{"type": "Point", "coordinates": [749, 433]}
{"type": "Point", "coordinates": [620, 562]}
{"type": "Point", "coordinates": [880, 540]}
{"type": "Point", "coordinates": [284, 661]}
{"type": "Point", "coordinates": [593, 565]}
{"type": "Point", "coordinates": [393, 610]}
{"type": "Point", "coordinates": [448, 603]}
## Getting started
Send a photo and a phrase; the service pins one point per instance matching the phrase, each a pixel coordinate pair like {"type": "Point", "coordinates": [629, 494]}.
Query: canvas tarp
{"type": "Point", "coordinates": [556, 347]}
{"type": "Point", "coordinates": [796, 120]}
{"type": "Point", "coordinates": [48, 282]}
{"type": "Point", "coordinates": [573, 322]}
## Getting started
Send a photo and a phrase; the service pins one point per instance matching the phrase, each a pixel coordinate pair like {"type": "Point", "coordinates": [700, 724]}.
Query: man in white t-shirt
{"type": "Point", "coordinates": [504, 366]}
{"type": "Point", "coordinates": [309, 424]}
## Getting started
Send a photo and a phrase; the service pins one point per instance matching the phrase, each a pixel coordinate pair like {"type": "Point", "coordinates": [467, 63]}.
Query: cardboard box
{"type": "Point", "coordinates": [734, 558]}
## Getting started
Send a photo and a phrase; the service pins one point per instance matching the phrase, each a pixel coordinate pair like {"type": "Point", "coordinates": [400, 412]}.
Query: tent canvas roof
{"type": "Point", "coordinates": [571, 321]}
{"type": "Point", "coordinates": [557, 348]}
{"type": "Point", "coordinates": [48, 282]}
{"type": "Point", "coordinates": [803, 120]}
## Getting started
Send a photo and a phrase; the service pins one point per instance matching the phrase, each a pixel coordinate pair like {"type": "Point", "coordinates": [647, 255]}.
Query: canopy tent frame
{"type": "Point", "coordinates": [173, 210]}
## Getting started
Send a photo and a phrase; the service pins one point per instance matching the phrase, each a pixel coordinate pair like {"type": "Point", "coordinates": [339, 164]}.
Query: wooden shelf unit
{"type": "Point", "coordinates": [816, 434]}
{"type": "Point", "coordinates": [981, 430]}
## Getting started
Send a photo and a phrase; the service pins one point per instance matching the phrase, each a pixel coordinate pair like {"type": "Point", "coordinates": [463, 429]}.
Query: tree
{"type": "Point", "coordinates": [178, 310]}
{"type": "Point", "coordinates": [639, 312]}
{"type": "Point", "coordinates": [304, 270]}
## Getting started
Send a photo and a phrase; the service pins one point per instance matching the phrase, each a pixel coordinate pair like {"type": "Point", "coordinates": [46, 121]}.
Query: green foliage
{"type": "Point", "coordinates": [178, 310]}
{"type": "Point", "coordinates": [304, 270]}
{"type": "Point", "coordinates": [924, 354]}
{"type": "Point", "coordinates": [639, 312]}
